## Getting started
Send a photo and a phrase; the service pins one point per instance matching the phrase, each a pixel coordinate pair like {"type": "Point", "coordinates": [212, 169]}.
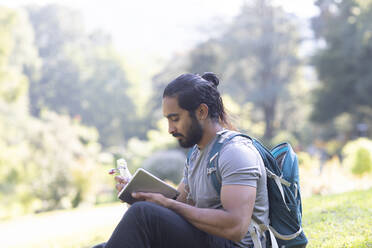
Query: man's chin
{"type": "Point", "coordinates": [184, 144]}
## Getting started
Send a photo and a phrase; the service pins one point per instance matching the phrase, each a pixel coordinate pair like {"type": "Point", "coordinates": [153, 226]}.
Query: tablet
{"type": "Point", "coordinates": [144, 181]}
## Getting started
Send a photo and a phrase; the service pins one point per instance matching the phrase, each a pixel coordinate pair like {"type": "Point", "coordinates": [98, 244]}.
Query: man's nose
{"type": "Point", "coordinates": [171, 128]}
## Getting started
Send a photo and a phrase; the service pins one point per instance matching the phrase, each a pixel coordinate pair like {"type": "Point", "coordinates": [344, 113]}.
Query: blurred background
{"type": "Point", "coordinates": [81, 85]}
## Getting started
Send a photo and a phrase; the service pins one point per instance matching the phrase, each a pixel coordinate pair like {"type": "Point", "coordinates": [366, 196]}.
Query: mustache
{"type": "Point", "coordinates": [177, 135]}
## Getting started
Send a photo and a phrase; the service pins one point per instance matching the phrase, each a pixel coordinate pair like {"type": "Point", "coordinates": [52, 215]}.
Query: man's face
{"type": "Point", "coordinates": [185, 127]}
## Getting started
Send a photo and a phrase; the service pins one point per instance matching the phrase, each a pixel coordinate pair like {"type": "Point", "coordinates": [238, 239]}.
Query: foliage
{"type": "Point", "coordinates": [66, 173]}
{"type": "Point", "coordinates": [259, 58]}
{"type": "Point", "coordinates": [243, 117]}
{"type": "Point", "coordinates": [172, 70]}
{"type": "Point", "coordinates": [13, 108]}
{"type": "Point", "coordinates": [137, 151]}
{"type": "Point", "coordinates": [16, 52]}
{"type": "Point", "coordinates": [305, 160]}
{"type": "Point", "coordinates": [284, 136]}
{"type": "Point", "coordinates": [81, 75]}
{"type": "Point", "coordinates": [45, 163]}
{"type": "Point", "coordinates": [363, 162]}
{"type": "Point", "coordinates": [343, 63]}
{"type": "Point", "coordinates": [358, 154]}
{"type": "Point", "coordinates": [322, 176]}
{"type": "Point", "coordinates": [53, 164]}
{"type": "Point", "coordinates": [166, 165]}
{"type": "Point", "coordinates": [256, 58]}
{"type": "Point", "coordinates": [328, 220]}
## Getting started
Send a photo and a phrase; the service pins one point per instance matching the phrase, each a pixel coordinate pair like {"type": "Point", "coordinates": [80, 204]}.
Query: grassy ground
{"type": "Point", "coordinates": [79, 228]}
{"type": "Point", "coordinates": [343, 220]}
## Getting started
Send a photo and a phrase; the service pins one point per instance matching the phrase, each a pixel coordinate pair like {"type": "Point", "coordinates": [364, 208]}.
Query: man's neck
{"type": "Point", "coordinates": [209, 134]}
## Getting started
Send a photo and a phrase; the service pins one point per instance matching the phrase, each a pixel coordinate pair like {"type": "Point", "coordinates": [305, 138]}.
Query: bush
{"type": "Point", "coordinates": [66, 157]}
{"type": "Point", "coordinates": [307, 161]}
{"type": "Point", "coordinates": [166, 165]}
{"type": "Point", "coordinates": [284, 136]}
{"type": "Point", "coordinates": [45, 164]}
{"type": "Point", "coordinates": [362, 163]}
{"type": "Point", "coordinates": [358, 154]}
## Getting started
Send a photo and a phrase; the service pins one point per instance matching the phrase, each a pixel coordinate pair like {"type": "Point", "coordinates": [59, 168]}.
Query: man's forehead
{"type": "Point", "coordinates": [171, 107]}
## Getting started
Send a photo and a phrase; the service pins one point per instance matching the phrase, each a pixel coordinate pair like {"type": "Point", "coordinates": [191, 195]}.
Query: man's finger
{"type": "Point", "coordinates": [120, 179]}
{"type": "Point", "coordinates": [137, 195]}
{"type": "Point", "coordinates": [119, 186]}
{"type": "Point", "coordinates": [141, 195]}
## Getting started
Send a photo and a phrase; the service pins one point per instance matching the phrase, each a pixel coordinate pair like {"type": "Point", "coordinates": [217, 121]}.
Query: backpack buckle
{"type": "Point", "coordinates": [210, 170]}
{"type": "Point", "coordinates": [213, 157]}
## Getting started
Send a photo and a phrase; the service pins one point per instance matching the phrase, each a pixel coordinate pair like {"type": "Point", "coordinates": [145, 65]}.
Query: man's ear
{"type": "Point", "coordinates": [202, 112]}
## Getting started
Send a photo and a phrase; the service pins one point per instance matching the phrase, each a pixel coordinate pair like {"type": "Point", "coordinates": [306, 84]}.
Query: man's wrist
{"type": "Point", "coordinates": [169, 203]}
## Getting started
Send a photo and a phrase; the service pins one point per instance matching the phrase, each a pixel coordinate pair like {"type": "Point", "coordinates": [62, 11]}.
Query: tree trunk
{"type": "Point", "coordinates": [269, 114]}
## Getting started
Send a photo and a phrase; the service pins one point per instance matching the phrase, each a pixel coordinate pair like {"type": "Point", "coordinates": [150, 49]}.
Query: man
{"type": "Point", "coordinates": [199, 217]}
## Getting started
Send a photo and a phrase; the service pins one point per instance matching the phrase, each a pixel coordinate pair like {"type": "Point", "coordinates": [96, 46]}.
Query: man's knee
{"type": "Point", "coordinates": [141, 207]}
{"type": "Point", "coordinates": [102, 245]}
{"type": "Point", "coordinates": [143, 210]}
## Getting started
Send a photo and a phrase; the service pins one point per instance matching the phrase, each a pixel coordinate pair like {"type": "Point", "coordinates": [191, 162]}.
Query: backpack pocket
{"type": "Point", "coordinates": [286, 223]}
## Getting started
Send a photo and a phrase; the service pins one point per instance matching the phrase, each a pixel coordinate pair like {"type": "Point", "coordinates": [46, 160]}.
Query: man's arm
{"type": "Point", "coordinates": [237, 201]}
{"type": "Point", "coordinates": [183, 193]}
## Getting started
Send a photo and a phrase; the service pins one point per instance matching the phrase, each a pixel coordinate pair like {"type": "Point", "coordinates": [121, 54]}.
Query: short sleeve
{"type": "Point", "coordinates": [185, 173]}
{"type": "Point", "coordinates": [240, 164]}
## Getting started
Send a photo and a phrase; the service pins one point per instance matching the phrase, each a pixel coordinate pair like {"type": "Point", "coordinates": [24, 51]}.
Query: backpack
{"type": "Point", "coordinates": [285, 208]}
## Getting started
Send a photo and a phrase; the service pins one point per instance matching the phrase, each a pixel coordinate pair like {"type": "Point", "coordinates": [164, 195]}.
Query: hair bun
{"type": "Point", "coordinates": [211, 77]}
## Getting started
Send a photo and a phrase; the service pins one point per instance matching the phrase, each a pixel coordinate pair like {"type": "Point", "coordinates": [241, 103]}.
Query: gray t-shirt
{"type": "Point", "coordinates": [239, 164]}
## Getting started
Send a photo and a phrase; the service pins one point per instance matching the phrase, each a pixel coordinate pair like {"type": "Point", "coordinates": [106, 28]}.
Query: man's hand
{"type": "Point", "coordinates": [153, 197]}
{"type": "Point", "coordinates": [120, 182]}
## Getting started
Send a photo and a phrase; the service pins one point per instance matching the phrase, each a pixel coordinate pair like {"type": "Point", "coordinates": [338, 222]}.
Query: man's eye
{"type": "Point", "coordinates": [175, 119]}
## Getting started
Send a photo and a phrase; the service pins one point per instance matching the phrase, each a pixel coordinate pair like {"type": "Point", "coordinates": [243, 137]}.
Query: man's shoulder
{"type": "Point", "coordinates": [238, 141]}
{"type": "Point", "coordinates": [240, 147]}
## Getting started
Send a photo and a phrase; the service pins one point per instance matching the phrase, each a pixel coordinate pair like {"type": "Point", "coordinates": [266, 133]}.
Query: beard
{"type": "Point", "coordinates": [193, 136]}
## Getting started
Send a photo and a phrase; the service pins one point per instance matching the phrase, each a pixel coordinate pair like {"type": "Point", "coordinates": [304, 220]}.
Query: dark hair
{"type": "Point", "coordinates": [192, 90]}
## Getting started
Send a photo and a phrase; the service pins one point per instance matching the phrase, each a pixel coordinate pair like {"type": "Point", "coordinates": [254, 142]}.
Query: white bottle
{"type": "Point", "coordinates": [121, 165]}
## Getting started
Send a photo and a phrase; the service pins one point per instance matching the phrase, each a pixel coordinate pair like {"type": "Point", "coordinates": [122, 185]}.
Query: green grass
{"type": "Point", "coordinates": [343, 220]}
{"type": "Point", "coordinates": [77, 228]}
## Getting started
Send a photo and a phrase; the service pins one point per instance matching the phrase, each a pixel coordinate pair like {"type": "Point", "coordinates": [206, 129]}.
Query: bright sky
{"type": "Point", "coordinates": [156, 29]}
{"type": "Point", "coordinates": [160, 26]}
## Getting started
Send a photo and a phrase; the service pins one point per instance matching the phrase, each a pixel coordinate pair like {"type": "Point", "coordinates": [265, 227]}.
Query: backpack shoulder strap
{"type": "Point", "coordinates": [212, 168]}
{"type": "Point", "coordinates": [189, 153]}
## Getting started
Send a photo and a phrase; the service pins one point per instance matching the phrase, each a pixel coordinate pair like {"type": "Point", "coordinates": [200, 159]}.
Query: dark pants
{"type": "Point", "coordinates": [147, 224]}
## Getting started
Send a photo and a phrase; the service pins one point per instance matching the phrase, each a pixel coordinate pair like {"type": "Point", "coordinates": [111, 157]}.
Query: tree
{"type": "Point", "coordinates": [64, 157]}
{"type": "Point", "coordinates": [81, 76]}
{"type": "Point", "coordinates": [172, 70]}
{"type": "Point", "coordinates": [16, 52]}
{"type": "Point", "coordinates": [263, 45]}
{"type": "Point", "coordinates": [343, 63]}
{"type": "Point", "coordinates": [45, 162]}
{"type": "Point", "coordinates": [256, 57]}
